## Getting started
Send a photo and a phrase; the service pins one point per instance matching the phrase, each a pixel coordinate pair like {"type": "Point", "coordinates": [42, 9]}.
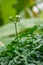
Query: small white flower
{"type": "Point", "coordinates": [35, 9]}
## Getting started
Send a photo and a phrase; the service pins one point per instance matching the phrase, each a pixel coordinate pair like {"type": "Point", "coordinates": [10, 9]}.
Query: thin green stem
{"type": "Point", "coordinates": [16, 32]}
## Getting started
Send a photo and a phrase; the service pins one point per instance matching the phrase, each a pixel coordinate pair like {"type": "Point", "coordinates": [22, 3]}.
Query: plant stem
{"type": "Point", "coordinates": [16, 32]}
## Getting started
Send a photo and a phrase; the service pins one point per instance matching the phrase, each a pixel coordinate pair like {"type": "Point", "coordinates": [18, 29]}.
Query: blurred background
{"type": "Point", "coordinates": [31, 12]}
{"type": "Point", "coordinates": [25, 8]}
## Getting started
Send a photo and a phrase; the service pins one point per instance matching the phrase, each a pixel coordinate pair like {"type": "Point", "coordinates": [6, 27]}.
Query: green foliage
{"type": "Point", "coordinates": [9, 29]}
{"type": "Point", "coordinates": [27, 51]}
